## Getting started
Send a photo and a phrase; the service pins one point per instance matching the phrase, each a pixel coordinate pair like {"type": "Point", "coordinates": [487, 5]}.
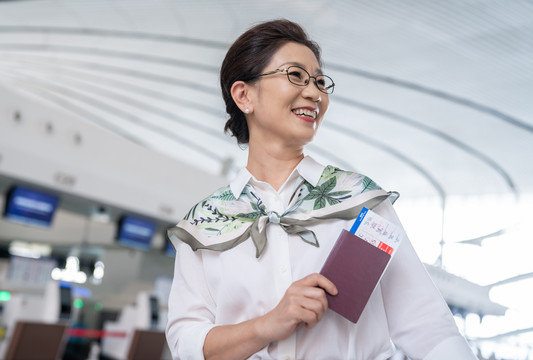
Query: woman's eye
{"type": "Point", "coordinates": [321, 83]}
{"type": "Point", "coordinates": [295, 74]}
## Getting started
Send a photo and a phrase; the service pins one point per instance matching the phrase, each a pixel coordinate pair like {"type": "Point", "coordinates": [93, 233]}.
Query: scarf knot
{"type": "Point", "coordinates": [273, 217]}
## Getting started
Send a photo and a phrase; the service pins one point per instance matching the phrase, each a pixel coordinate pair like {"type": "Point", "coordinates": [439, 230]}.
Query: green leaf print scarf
{"type": "Point", "coordinates": [221, 222]}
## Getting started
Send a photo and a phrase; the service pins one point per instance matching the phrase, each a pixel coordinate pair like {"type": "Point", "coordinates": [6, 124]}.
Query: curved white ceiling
{"type": "Point", "coordinates": [431, 98]}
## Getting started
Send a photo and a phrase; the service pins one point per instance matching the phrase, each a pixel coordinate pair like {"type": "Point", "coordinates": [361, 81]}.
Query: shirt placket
{"type": "Point", "coordinates": [286, 348]}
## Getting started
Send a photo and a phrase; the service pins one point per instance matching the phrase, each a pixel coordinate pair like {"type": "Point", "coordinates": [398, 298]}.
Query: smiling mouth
{"type": "Point", "coordinates": [305, 113]}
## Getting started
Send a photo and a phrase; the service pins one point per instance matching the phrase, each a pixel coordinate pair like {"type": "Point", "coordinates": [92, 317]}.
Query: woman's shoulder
{"type": "Point", "coordinates": [221, 194]}
{"type": "Point", "coordinates": [333, 176]}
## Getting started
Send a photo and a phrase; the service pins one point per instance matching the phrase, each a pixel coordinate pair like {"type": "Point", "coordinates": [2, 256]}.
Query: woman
{"type": "Point", "coordinates": [247, 280]}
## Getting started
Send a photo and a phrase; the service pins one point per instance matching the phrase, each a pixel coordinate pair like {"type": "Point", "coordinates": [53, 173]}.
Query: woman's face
{"type": "Point", "coordinates": [282, 110]}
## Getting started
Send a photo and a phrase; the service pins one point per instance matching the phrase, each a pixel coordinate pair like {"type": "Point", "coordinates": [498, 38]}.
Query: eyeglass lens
{"type": "Point", "coordinates": [301, 77]}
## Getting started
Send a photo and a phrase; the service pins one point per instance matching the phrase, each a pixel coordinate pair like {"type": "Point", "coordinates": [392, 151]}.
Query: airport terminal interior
{"type": "Point", "coordinates": [111, 128]}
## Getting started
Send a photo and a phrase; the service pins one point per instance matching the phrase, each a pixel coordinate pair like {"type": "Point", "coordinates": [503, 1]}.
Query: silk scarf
{"type": "Point", "coordinates": [221, 221]}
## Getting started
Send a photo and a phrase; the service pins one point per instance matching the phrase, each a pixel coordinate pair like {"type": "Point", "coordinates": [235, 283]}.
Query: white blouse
{"type": "Point", "coordinates": [221, 288]}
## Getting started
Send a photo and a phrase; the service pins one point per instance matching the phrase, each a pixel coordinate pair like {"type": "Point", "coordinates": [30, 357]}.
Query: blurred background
{"type": "Point", "coordinates": [111, 128]}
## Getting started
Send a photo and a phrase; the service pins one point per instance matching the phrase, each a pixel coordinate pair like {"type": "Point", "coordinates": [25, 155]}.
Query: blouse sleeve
{"type": "Point", "coordinates": [190, 306]}
{"type": "Point", "coordinates": [420, 322]}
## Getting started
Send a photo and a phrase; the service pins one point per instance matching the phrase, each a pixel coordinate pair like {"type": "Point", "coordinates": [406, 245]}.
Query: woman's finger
{"type": "Point", "coordinates": [319, 280]}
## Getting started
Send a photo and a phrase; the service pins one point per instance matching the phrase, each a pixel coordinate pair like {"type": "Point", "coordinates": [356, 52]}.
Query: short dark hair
{"type": "Point", "coordinates": [247, 58]}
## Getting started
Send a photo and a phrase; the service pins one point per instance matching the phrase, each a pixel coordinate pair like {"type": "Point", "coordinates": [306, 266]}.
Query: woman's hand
{"type": "Point", "coordinates": [304, 303]}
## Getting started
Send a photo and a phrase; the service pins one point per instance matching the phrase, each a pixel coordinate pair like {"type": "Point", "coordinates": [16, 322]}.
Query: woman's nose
{"type": "Point", "coordinates": [311, 91]}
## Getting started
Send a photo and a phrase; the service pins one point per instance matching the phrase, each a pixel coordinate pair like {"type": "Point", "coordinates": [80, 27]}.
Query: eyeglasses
{"type": "Point", "coordinates": [300, 77]}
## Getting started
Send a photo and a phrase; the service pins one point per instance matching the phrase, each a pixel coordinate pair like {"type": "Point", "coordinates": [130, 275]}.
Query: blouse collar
{"type": "Point", "coordinates": [308, 168]}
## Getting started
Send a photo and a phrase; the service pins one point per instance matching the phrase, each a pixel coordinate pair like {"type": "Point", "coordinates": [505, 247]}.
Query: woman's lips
{"type": "Point", "coordinates": [308, 114]}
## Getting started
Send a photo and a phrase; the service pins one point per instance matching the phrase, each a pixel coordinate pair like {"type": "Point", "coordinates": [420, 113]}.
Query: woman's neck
{"type": "Point", "coordinates": [271, 165]}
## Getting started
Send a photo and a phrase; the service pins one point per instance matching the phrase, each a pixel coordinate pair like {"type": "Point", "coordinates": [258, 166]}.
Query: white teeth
{"type": "Point", "coordinates": [306, 112]}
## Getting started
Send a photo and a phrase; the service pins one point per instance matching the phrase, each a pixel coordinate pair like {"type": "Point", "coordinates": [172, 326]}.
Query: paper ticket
{"type": "Point", "coordinates": [377, 231]}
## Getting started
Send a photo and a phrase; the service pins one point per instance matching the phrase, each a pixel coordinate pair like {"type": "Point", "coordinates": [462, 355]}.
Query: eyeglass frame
{"type": "Point", "coordinates": [286, 70]}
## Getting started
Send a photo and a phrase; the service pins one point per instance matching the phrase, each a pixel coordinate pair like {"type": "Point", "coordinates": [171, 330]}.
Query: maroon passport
{"type": "Point", "coordinates": [355, 267]}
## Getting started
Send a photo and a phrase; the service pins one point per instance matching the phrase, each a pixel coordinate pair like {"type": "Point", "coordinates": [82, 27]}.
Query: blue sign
{"type": "Point", "coordinates": [136, 232]}
{"type": "Point", "coordinates": [30, 207]}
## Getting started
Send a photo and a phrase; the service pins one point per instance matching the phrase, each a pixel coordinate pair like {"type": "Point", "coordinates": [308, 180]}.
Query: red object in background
{"type": "Point", "coordinates": [88, 333]}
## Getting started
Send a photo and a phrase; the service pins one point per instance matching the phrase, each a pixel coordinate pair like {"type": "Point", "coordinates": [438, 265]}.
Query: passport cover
{"type": "Point", "coordinates": [355, 267]}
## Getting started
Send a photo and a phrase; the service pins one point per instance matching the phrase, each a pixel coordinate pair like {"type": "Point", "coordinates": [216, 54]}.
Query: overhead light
{"type": "Point", "coordinates": [98, 272]}
{"type": "Point", "coordinates": [29, 250]}
{"type": "Point", "coordinates": [71, 272]}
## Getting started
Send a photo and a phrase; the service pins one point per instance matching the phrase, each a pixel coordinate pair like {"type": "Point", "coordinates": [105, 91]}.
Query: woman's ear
{"type": "Point", "coordinates": [240, 92]}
